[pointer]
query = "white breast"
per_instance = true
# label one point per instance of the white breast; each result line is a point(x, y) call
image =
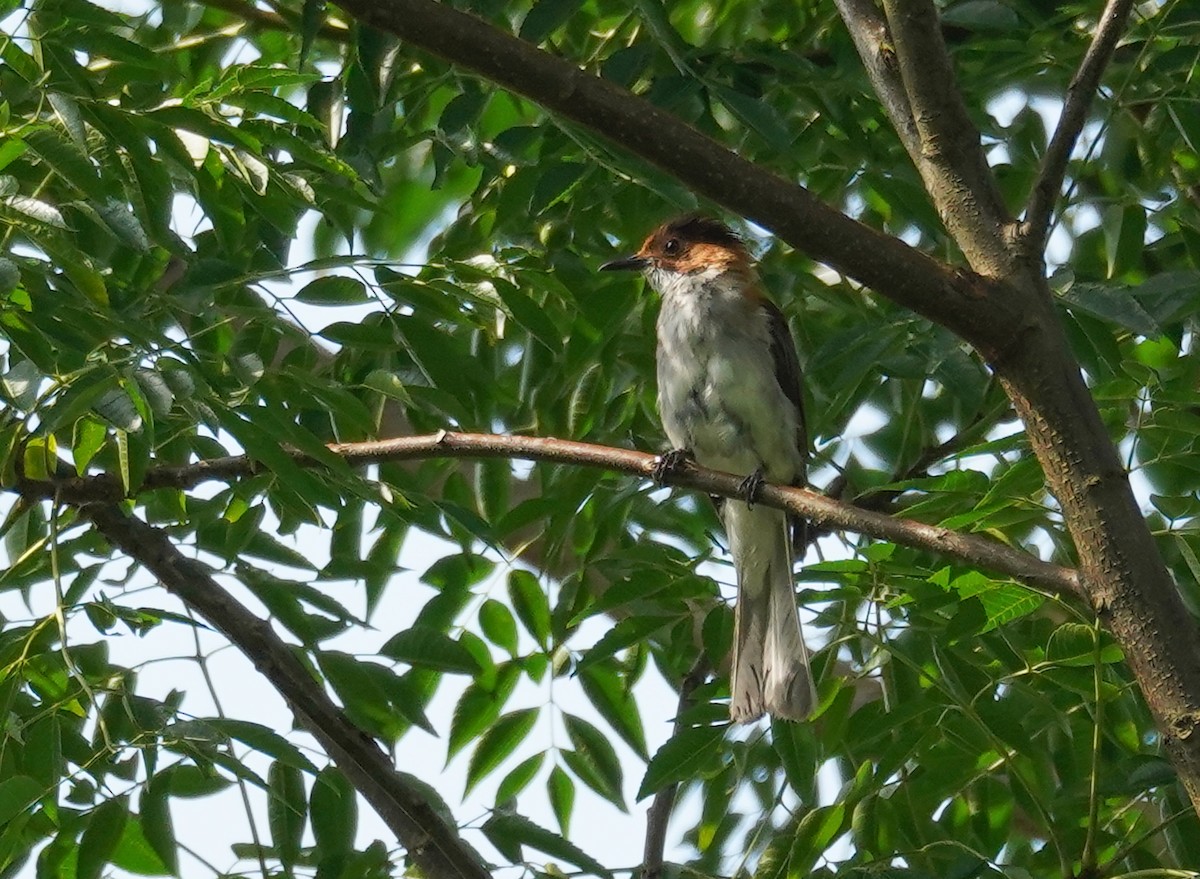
point(717, 390)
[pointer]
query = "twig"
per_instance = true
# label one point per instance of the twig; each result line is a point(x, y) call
point(433, 846)
point(1079, 97)
point(952, 162)
point(814, 506)
point(881, 499)
point(659, 814)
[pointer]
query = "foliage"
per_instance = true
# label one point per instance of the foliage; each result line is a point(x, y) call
point(230, 230)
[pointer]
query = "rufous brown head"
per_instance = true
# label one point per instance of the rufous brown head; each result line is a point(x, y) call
point(687, 245)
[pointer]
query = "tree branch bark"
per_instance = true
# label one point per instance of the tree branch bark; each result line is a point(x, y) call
point(431, 844)
point(829, 512)
point(951, 158)
point(1080, 93)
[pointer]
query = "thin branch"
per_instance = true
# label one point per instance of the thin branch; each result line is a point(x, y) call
point(952, 162)
point(869, 31)
point(433, 846)
point(1079, 97)
point(814, 506)
point(977, 310)
point(881, 500)
point(659, 814)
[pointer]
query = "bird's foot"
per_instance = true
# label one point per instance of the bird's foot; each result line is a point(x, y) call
point(751, 486)
point(670, 462)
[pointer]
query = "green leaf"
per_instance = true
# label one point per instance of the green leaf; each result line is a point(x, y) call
point(1124, 233)
point(334, 813)
point(333, 290)
point(626, 633)
point(287, 810)
point(100, 839)
point(545, 17)
point(757, 114)
point(518, 779)
point(498, 625)
point(264, 740)
point(594, 760)
point(981, 15)
point(22, 383)
point(529, 315)
point(555, 184)
point(611, 696)
point(11, 150)
point(479, 706)
point(817, 830)
point(1074, 645)
point(1002, 602)
point(689, 754)
point(562, 797)
point(39, 212)
point(135, 854)
point(498, 743)
point(426, 647)
point(1113, 304)
point(374, 695)
point(66, 160)
point(509, 831)
point(156, 825)
point(530, 603)
point(17, 794)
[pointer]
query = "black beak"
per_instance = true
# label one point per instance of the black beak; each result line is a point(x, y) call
point(628, 264)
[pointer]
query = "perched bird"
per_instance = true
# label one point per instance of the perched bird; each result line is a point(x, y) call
point(729, 396)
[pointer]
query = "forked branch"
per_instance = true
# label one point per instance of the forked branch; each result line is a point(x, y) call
point(951, 159)
point(1080, 93)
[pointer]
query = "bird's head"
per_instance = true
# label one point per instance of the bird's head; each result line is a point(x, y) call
point(691, 248)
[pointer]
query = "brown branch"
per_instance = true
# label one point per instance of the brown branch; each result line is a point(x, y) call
point(951, 160)
point(433, 846)
point(1080, 92)
point(814, 506)
point(658, 816)
point(869, 31)
point(971, 307)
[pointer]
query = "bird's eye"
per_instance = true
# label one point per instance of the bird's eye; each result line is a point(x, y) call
point(672, 246)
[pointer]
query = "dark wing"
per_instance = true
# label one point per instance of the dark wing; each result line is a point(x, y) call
point(787, 371)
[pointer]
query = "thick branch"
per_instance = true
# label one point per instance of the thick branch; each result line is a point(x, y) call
point(835, 514)
point(1079, 97)
point(951, 161)
point(975, 310)
point(869, 31)
point(433, 846)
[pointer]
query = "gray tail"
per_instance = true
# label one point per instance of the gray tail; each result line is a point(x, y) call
point(770, 661)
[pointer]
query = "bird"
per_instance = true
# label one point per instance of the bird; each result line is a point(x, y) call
point(730, 398)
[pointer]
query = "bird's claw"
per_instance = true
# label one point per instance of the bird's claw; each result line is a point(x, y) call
point(669, 463)
point(751, 486)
